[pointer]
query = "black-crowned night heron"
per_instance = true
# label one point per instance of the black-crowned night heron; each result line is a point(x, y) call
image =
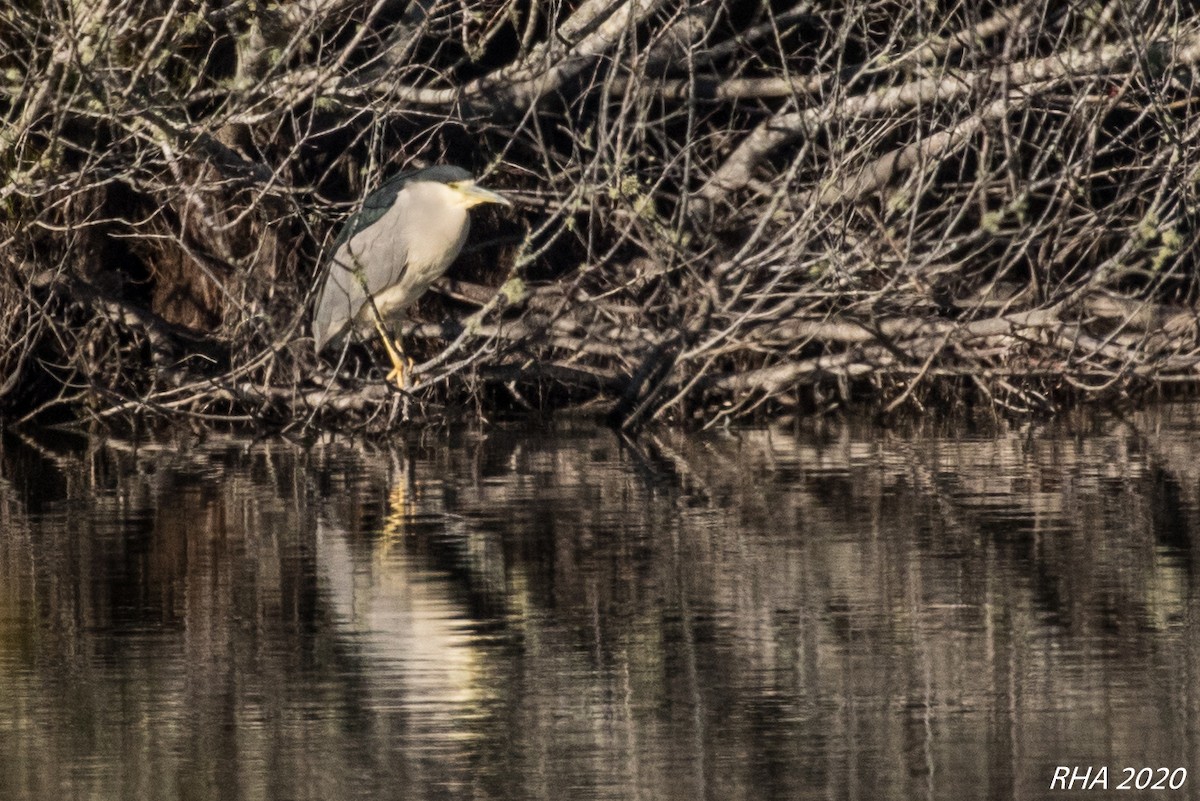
point(405, 235)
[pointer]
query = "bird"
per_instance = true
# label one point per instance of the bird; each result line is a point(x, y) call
point(386, 255)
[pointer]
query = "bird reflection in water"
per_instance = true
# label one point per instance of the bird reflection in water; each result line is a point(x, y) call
point(403, 613)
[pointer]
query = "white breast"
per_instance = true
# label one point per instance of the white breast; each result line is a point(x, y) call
point(411, 245)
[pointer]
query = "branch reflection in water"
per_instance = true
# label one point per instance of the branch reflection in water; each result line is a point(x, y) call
point(550, 613)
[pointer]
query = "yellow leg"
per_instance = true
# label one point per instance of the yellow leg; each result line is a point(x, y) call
point(401, 364)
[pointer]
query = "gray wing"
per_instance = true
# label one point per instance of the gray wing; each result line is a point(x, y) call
point(340, 299)
point(377, 257)
point(342, 294)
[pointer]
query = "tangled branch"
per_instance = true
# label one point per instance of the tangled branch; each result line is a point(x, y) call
point(723, 208)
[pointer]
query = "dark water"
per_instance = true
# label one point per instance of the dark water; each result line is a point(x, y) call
point(555, 614)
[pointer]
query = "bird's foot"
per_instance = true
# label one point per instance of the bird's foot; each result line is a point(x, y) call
point(401, 373)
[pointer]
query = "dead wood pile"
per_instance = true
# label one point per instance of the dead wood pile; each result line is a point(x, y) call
point(722, 207)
